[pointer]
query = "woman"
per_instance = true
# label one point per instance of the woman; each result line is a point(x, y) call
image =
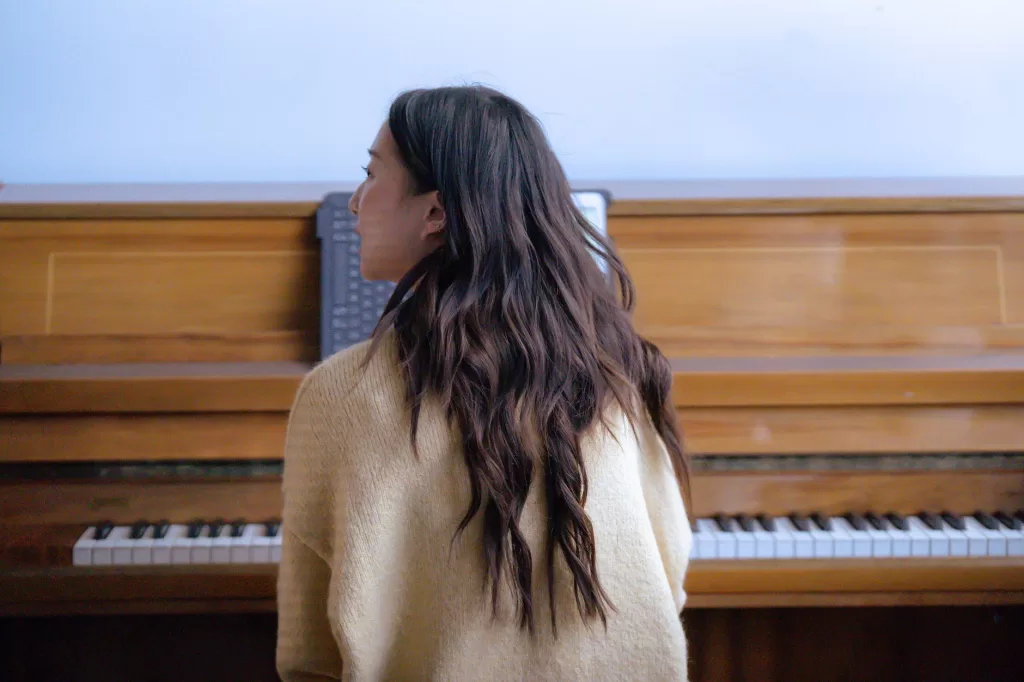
point(489, 488)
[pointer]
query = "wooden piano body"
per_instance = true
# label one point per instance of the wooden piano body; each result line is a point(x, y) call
point(838, 347)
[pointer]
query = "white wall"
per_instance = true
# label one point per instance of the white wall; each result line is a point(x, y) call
point(254, 90)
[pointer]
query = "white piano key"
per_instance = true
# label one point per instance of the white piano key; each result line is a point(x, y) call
point(957, 539)
point(181, 549)
point(842, 542)
point(980, 539)
point(220, 546)
point(725, 542)
point(745, 544)
point(706, 539)
point(881, 542)
point(259, 551)
point(1014, 540)
point(275, 548)
point(241, 548)
point(783, 541)
point(901, 540)
point(803, 543)
point(201, 551)
point(938, 541)
point(824, 542)
point(81, 553)
point(103, 550)
point(764, 543)
point(859, 539)
point(163, 547)
point(694, 547)
point(142, 548)
point(920, 537)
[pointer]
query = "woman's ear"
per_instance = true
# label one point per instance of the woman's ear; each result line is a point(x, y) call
point(435, 218)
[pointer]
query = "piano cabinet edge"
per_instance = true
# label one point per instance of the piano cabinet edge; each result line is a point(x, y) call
point(695, 602)
point(252, 589)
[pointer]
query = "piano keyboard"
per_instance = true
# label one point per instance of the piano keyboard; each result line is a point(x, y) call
point(851, 536)
point(199, 542)
point(859, 536)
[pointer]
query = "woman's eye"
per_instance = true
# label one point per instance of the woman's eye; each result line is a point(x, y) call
point(366, 169)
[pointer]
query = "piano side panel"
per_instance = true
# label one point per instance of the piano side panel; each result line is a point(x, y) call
point(827, 284)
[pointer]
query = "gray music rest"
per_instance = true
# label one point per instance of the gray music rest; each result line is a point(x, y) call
point(349, 305)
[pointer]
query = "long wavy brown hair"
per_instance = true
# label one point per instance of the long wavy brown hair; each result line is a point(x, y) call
point(516, 328)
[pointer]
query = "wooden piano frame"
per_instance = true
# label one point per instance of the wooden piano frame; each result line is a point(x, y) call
point(861, 319)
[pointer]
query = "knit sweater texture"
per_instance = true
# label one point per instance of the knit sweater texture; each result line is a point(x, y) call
point(373, 583)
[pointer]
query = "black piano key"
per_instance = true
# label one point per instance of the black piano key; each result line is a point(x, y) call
point(855, 520)
point(216, 526)
point(986, 520)
point(953, 520)
point(746, 523)
point(897, 520)
point(237, 528)
point(931, 520)
point(1019, 515)
point(138, 530)
point(767, 522)
point(195, 529)
point(1007, 520)
point(800, 522)
point(103, 530)
point(876, 521)
point(160, 529)
point(273, 527)
point(723, 522)
point(822, 522)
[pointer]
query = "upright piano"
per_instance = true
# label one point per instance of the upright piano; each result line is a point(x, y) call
point(848, 369)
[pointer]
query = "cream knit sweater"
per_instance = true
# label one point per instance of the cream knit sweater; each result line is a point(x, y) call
point(372, 587)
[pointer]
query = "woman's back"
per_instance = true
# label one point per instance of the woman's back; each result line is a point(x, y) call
point(453, 508)
point(376, 585)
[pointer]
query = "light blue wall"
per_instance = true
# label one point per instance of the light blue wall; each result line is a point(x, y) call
point(253, 90)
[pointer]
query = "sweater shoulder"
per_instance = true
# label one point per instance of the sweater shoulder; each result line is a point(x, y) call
point(343, 383)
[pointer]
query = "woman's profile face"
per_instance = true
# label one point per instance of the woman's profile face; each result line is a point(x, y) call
point(396, 227)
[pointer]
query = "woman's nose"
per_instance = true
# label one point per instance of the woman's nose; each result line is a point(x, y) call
point(353, 202)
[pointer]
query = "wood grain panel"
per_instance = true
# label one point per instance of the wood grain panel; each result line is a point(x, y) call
point(822, 339)
point(905, 492)
point(815, 430)
point(707, 382)
point(857, 575)
point(161, 292)
point(786, 287)
point(707, 431)
point(141, 438)
point(930, 644)
point(70, 502)
point(59, 349)
point(85, 502)
point(23, 285)
point(810, 230)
